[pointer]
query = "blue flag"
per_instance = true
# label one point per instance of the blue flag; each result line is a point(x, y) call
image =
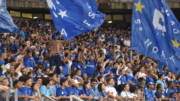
point(155, 32)
point(6, 23)
point(73, 17)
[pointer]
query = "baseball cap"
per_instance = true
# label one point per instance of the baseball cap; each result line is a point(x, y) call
point(175, 82)
point(38, 73)
point(150, 83)
point(54, 37)
point(76, 82)
point(12, 37)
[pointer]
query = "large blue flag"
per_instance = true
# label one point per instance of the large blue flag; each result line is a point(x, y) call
point(155, 32)
point(73, 17)
point(6, 23)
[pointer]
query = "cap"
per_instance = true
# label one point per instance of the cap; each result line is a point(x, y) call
point(38, 73)
point(150, 83)
point(76, 82)
point(54, 37)
point(175, 82)
point(12, 37)
point(125, 68)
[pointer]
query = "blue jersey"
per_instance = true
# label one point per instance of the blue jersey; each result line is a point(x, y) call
point(19, 94)
point(134, 80)
point(14, 48)
point(107, 70)
point(70, 91)
point(37, 60)
point(2, 66)
point(64, 69)
point(90, 68)
point(87, 93)
point(46, 91)
point(47, 65)
point(149, 95)
point(168, 92)
point(77, 91)
point(61, 92)
point(121, 80)
point(28, 62)
point(149, 79)
point(128, 77)
point(27, 91)
point(77, 65)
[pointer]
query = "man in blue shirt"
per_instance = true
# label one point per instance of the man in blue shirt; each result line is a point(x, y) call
point(26, 89)
point(94, 90)
point(70, 90)
point(14, 48)
point(22, 32)
point(149, 93)
point(18, 85)
point(135, 78)
point(3, 57)
point(53, 78)
point(162, 82)
point(29, 61)
point(169, 90)
point(62, 93)
point(77, 63)
point(159, 93)
point(176, 86)
point(90, 65)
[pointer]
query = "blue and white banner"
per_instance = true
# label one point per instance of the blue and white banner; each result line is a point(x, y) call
point(156, 32)
point(73, 17)
point(6, 23)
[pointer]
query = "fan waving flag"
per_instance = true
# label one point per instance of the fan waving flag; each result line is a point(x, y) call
point(156, 32)
point(73, 17)
point(6, 23)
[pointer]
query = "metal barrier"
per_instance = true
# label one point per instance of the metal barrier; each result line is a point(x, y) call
point(10, 91)
point(75, 97)
point(46, 98)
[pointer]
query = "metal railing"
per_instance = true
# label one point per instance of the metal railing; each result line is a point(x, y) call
point(75, 97)
point(10, 91)
point(46, 98)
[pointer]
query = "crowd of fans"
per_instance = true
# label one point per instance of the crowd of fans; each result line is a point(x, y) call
point(98, 65)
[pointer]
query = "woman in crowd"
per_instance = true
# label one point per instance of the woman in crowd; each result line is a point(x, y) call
point(85, 91)
point(102, 92)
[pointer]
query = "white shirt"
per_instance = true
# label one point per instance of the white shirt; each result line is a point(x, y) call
point(126, 94)
point(6, 67)
point(19, 75)
point(127, 42)
point(111, 89)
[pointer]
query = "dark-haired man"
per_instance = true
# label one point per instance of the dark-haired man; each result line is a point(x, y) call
point(159, 93)
point(149, 92)
point(169, 90)
point(162, 81)
point(94, 90)
point(112, 91)
point(26, 89)
point(17, 84)
point(61, 92)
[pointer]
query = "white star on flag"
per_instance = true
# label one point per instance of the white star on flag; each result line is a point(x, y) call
point(50, 4)
point(62, 13)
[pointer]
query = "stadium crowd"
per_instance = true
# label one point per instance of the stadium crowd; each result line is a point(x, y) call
point(98, 65)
